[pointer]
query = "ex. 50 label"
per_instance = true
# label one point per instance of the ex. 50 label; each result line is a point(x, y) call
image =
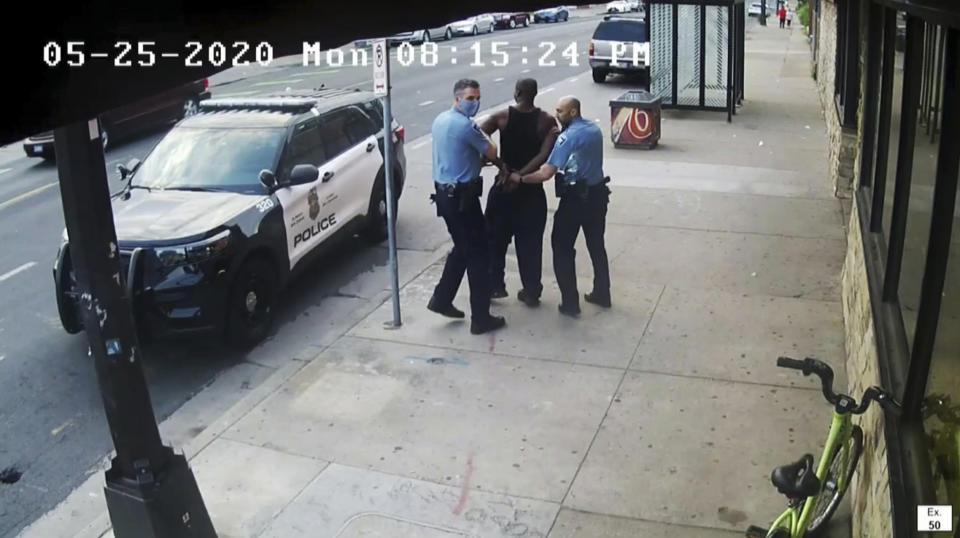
point(935, 518)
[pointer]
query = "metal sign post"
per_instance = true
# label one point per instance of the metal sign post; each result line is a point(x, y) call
point(381, 86)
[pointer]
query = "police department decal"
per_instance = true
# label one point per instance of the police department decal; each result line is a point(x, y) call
point(314, 202)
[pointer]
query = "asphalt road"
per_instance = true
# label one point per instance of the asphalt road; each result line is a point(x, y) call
point(52, 428)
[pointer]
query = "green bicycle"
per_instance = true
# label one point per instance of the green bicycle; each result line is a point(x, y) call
point(815, 495)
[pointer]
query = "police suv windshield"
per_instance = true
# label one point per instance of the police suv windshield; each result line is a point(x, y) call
point(226, 159)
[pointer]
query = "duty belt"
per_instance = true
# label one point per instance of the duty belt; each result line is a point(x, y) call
point(463, 191)
point(580, 188)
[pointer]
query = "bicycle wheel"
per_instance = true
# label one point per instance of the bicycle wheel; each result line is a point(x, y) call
point(826, 503)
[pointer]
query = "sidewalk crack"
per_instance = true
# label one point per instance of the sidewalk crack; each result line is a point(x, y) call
point(606, 413)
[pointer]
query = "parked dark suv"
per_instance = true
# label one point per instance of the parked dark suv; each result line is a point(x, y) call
point(235, 200)
point(160, 109)
point(629, 35)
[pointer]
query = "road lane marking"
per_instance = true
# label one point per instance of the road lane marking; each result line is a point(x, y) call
point(56, 431)
point(5, 170)
point(2, 357)
point(548, 90)
point(315, 73)
point(498, 79)
point(17, 271)
point(425, 103)
point(275, 82)
point(525, 71)
point(235, 94)
point(26, 195)
point(422, 143)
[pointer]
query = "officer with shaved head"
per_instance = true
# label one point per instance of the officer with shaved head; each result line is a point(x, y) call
point(577, 162)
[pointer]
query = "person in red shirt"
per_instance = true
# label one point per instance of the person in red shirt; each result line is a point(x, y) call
point(783, 16)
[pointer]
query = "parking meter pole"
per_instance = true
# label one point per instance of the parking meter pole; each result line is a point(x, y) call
point(150, 492)
point(391, 210)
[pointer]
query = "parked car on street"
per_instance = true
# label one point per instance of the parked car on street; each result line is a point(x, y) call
point(160, 109)
point(629, 37)
point(511, 20)
point(618, 6)
point(479, 24)
point(415, 37)
point(553, 14)
point(236, 200)
point(755, 8)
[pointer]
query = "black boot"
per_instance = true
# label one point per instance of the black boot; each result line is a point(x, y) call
point(597, 300)
point(449, 311)
point(527, 299)
point(485, 325)
point(572, 311)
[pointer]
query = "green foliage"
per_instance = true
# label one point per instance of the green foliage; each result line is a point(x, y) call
point(803, 13)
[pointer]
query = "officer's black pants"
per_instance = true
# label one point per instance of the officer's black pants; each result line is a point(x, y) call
point(469, 254)
point(572, 214)
point(521, 214)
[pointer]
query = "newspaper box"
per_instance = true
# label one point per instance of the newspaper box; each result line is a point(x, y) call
point(635, 120)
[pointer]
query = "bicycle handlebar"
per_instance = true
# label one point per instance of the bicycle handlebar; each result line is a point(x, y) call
point(843, 403)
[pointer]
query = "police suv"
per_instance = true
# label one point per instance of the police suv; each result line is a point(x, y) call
point(235, 200)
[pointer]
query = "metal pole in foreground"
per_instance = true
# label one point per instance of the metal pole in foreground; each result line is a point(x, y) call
point(381, 83)
point(150, 491)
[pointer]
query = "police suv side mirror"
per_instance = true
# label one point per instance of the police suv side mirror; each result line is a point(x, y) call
point(128, 169)
point(304, 173)
point(268, 180)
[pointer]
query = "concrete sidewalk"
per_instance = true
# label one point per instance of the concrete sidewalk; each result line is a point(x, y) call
point(661, 417)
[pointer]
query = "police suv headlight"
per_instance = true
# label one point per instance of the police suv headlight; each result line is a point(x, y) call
point(194, 252)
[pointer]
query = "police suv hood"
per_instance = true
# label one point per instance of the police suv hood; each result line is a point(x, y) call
point(166, 215)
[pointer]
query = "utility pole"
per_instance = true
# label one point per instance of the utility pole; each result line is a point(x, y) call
point(150, 491)
point(381, 87)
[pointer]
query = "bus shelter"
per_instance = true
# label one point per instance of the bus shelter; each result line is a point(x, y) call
point(696, 53)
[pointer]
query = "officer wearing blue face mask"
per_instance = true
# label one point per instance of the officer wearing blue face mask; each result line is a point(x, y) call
point(459, 150)
point(577, 162)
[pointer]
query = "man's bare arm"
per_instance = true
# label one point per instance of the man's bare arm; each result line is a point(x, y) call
point(492, 123)
point(491, 155)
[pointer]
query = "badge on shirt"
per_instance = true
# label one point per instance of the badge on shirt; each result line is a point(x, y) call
point(561, 139)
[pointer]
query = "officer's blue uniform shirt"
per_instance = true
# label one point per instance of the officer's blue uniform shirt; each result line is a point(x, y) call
point(458, 147)
point(578, 152)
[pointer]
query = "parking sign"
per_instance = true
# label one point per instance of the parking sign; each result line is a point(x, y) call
point(381, 62)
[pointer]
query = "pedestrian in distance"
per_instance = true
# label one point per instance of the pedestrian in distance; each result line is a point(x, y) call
point(783, 16)
point(459, 150)
point(527, 136)
point(577, 162)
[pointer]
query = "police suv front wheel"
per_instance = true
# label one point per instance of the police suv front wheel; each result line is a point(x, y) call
point(375, 229)
point(250, 304)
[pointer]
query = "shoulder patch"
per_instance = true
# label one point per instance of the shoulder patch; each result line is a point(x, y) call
point(561, 139)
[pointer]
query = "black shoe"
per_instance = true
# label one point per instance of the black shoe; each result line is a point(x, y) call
point(599, 301)
point(526, 299)
point(449, 311)
point(500, 293)
point(569, 311)
point(491, 323)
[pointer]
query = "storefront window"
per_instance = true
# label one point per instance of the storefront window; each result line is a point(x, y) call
point(895, 114)
point(922, 179)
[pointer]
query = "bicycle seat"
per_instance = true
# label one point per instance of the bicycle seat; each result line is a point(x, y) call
point(797, 480)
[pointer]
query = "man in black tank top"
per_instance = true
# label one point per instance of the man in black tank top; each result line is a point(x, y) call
point(527, 135)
